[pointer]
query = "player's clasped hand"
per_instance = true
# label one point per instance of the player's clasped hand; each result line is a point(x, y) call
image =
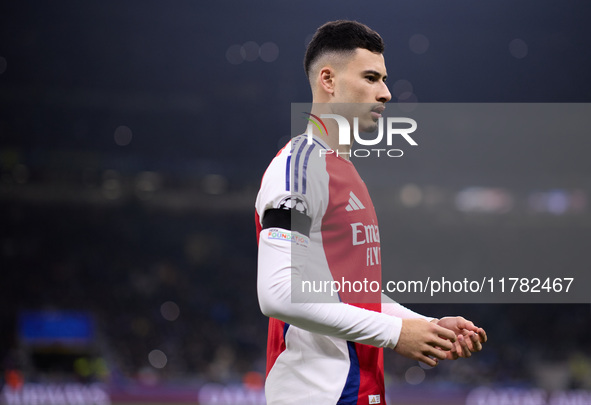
point(425, 341)
point(469, 338)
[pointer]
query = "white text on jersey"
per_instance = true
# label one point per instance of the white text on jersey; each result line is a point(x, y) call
point(365, 233)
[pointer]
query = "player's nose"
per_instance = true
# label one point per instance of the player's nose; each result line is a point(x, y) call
point(384, 95)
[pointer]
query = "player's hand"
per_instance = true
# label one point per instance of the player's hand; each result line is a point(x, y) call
point(469, 337)
point(425, 341)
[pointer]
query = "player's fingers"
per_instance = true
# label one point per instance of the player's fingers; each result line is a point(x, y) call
point(464, 349)
point(453, 354)
point(476, 345)
point(482, 334)
point(445, 333)
point(442, 344)
point(466, 324)
point(467, 348)
point(454, 348)
point(428, 361)
point(436, 352)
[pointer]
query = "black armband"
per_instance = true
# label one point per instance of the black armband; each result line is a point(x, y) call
point(289, 219)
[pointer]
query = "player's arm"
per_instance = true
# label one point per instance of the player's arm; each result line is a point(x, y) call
point(282, 262)
point(393, 308)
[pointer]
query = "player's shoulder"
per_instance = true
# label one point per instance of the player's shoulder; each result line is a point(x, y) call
point(309, 147)
point(299, 170)
point(300, 154)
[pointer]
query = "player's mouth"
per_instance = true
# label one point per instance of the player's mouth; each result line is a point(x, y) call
point(376, 112)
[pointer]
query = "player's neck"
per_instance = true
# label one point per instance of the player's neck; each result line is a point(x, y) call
point(332, 133)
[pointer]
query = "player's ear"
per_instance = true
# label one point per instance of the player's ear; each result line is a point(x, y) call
point(326, 80)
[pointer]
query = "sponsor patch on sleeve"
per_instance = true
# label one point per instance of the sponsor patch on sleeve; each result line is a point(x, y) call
point(288, 236)
point(374, 399)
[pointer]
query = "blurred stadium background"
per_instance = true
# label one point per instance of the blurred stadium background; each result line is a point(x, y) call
point(133, 136)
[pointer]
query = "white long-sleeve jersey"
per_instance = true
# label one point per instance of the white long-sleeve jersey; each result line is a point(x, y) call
point(318, 231)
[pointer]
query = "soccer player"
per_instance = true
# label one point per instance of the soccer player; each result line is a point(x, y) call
point(316, 223)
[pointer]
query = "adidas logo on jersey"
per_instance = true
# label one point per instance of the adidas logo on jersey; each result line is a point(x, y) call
point(354, 203)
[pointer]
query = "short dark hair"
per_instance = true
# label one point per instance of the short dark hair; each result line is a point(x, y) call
point(341, 35)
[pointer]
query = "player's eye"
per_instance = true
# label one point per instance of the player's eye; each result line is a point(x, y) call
point(371, 78)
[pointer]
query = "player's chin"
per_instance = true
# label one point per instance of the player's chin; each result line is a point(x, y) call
point(369, 126)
